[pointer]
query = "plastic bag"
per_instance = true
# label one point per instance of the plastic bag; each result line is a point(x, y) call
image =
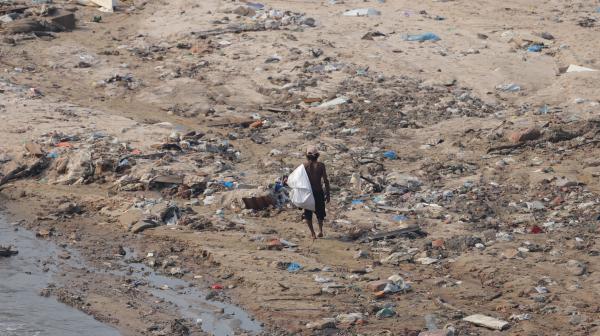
point(301, 194)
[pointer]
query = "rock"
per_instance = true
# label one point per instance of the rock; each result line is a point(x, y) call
point(525, 135)
point(575, 319)
point(34, 149)
point(130, 217)
point(438, 243)
point(143, 225)
point(547, 36)
point(326, 323)
point(63, 21)
point(511, 254)
point(563, 182)
point(427, 261)
point(361, 254)
point(396, 258)
point(121, 251)
point(408, 181)
point(68, 208)
point(244, 11)
point(43, 233)
point(487, 322)
point(64, 255)
point(7, 251)
point(576, 267)
point(176, 272)
point(349, 318)
point(377, 286)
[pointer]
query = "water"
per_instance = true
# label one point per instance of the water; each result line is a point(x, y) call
point(23, 312)
point(193, 305)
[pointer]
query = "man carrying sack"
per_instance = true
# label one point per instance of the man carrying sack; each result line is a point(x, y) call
point(307, 189)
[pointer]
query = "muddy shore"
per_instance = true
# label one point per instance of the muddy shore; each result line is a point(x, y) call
point(464, 173)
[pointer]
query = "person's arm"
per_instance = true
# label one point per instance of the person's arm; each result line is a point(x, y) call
point(326, 181)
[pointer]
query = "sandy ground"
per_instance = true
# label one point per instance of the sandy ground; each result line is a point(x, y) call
point(436, 104)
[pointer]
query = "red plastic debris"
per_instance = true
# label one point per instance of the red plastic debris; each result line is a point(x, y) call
point(536, 229)
point(64, 144)
point(136, 152)
point(216, 286)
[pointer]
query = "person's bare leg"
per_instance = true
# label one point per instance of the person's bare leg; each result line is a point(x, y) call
point(310, 226)
point(320, 221)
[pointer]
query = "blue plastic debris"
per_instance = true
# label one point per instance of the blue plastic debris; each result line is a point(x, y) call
point(294, 267)
point(52, 155)
point(399, 218)
point(390, 155)
point(544, 109)
point(357, 202)
point(278, 186)
point(228, 184)
point(422, 37)
point(535, 48)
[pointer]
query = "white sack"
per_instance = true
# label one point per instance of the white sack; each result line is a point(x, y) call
point(301, 194)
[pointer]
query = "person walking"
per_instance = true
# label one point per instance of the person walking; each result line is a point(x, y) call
point(317, 174)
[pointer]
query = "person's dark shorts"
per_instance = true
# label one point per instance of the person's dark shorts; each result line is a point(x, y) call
point(319, 207)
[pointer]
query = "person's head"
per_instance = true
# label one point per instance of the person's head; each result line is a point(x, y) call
point(312, 153)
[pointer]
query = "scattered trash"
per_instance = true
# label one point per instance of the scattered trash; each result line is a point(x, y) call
point(258, 203)
point(334, 102)
point(385, 313)
point(105, 5)
point(487, 322)
point(294, 267)
point(576, 68)
point(390, 155)
point(362, 12)
point(535, 48)
point(536, 230)
point(509, 87)
point(321, 324)
point(422, 37)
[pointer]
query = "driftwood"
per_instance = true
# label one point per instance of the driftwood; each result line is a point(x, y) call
point(230, 30)
point(411, 230)
point(510, 147)
point(18, 9)
point(243, 123)
point(26, 171)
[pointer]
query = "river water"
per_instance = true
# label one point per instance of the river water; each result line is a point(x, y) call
point(23, 312)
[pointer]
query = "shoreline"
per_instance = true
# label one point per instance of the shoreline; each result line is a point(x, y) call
point(464, 179)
